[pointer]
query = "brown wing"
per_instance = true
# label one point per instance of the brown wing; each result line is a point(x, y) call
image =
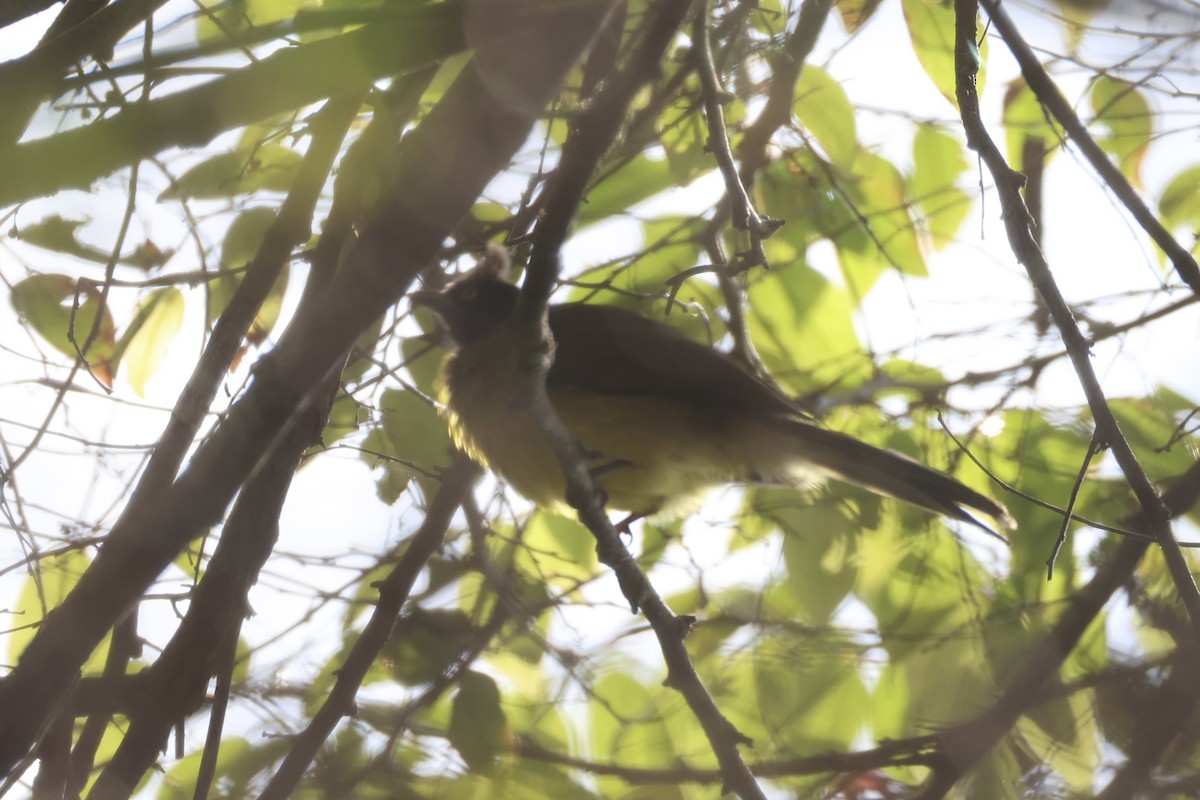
point(612, 351)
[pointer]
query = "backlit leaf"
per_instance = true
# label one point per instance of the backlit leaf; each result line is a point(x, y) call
point(46, 303)
point(144, 344)
point(412, 443)
point(931, 27)
point(1025, 119)
point(271, 167)
point(1122, 109)
point(938, 163)
point(477, 722)
point(823, 108)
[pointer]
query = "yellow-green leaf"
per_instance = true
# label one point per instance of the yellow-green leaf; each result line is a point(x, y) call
point(1025, 119)
point(931, 27)
point(45, 302)
point(635, 181)
point(803, 329)
point(1122, 109)
point(1179, 203)
point(412, 443)
point(823, 107)
point(241, 243)
point(478, 727)
point(44, 591)
point(270, 167)
point(155, 325)
point(938, 162)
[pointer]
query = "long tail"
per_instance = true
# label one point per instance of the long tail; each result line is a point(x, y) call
point(893, 474)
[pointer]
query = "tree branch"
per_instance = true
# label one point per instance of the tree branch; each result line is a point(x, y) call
point(1051, 98)
point(742, 211)
point(963, 745)
point(393, 593)
point(177, 680)
point(464, 141)
point(1029, 255)
point(596, 132)
point(288, 79)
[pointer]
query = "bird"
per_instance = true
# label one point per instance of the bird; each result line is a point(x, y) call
point(661, 418)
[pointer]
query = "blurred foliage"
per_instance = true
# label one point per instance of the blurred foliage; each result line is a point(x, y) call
point(827, 620)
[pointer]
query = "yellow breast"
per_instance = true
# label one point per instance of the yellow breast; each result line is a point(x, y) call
point(653, 456)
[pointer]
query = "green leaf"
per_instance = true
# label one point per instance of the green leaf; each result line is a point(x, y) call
point(223, 21)
point(45, 303)
point(938, 163)
point(856, 13)
point(627, 724)
point(238, 764)
point(1063, 734)
point(345, 416)
point(818, 548)
point(241, 243)
point(882, 200)
point(810, 700)
point(800, 191)
point(1179, 203)
point(145, 343)
point(941, 679)
point(61, 236)
point(1122, 109)
point(412, 443)
point(642, 286)
point(425, 642)
point(931, 27)
point(913, 583)
point(44, 590)
point(639, 179)
point(803, 329)
point(823, 107)
point(865, 215)
point(1025, 119)
point(423, 362)
point(997, 776)
point(683, 133)
point(478, 728)
point(245, 236)
point(565, 551)
point(270, 167)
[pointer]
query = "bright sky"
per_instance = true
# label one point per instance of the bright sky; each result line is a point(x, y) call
point(333, 506)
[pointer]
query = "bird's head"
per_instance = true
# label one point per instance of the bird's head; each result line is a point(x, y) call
point(476, 304)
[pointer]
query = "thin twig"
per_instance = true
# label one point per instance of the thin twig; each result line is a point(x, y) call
point(597, 130)
point(393, 593)
point(1023, 243)
point(1037, 501)
point(1051, 98)
point(1094, 447)
point(743, 214)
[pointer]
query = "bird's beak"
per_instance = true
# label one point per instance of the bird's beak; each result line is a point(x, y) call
point(434, 301)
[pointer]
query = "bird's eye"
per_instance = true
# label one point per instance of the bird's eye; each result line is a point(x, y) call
point(469, 293)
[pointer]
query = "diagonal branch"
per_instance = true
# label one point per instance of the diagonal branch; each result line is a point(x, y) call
point(785, 72)
point(177, 680)
point(1024, 246)
point(742, 212)
point(25, 80)
point(469, 136)
point(596, 132)
point(393, 593)
point(1050, 97)
point(963, 745)
point(288, 79)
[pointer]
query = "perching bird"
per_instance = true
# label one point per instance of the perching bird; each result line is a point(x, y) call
point(662, 419)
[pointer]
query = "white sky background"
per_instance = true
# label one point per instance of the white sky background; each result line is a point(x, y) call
point(1090, 243)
